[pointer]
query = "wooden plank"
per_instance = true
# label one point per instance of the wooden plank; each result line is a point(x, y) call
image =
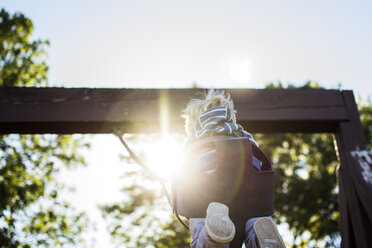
point(89, 110)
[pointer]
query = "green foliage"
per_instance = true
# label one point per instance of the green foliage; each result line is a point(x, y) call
point(144, 220)
point(306, 192)
point(305, 184)
point(365, 112)
point(21, 60)
point(31, 214)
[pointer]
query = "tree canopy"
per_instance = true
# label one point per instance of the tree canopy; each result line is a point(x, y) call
point(31, 213)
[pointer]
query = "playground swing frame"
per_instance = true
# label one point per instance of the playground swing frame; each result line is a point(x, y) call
point(102, 110)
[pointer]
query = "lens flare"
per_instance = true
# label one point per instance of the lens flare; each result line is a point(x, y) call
point(165, 156)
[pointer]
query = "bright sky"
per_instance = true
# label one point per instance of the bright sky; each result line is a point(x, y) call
point(213, 43)
point(173, 43)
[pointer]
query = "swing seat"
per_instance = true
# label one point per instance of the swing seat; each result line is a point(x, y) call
point(234, 182)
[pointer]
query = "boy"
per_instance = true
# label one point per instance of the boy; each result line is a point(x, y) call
point(214, 115)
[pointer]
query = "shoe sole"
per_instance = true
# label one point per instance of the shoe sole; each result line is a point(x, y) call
point(267, 234)
point(218, 219)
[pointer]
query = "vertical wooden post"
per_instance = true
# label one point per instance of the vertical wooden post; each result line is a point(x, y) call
point(355, 195)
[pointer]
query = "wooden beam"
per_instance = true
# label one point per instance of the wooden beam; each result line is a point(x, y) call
point(92, 110)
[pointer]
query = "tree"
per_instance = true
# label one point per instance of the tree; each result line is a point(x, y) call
point(306, 192)
point(31, 214)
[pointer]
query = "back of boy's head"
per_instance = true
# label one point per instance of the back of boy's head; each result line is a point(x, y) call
point(195, 107)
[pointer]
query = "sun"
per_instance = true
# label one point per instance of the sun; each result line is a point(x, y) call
point(241, 71)
point(165, 156)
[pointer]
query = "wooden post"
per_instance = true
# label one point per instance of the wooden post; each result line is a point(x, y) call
point(355, 195)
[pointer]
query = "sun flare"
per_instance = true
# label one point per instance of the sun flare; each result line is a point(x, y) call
point(241, 71)
point(165, 156)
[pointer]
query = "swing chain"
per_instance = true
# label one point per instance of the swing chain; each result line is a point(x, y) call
point(120, 134)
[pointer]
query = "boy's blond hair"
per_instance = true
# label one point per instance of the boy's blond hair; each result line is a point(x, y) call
point(195, 107)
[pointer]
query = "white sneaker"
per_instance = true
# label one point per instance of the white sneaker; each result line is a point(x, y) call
point(267, 234)
point(218, 225)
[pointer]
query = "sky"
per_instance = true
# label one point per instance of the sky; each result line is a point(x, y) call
point(175, 43)
point(220, 44)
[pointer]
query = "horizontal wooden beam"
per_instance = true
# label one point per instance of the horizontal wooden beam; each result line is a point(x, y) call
point(93, 110)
